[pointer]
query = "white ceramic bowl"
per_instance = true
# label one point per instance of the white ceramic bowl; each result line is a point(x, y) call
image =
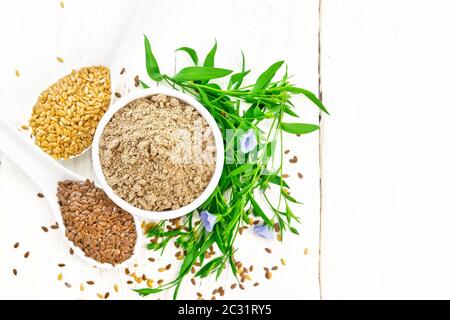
point(168, 214)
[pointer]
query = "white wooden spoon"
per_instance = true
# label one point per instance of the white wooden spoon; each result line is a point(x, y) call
point(112, 49)
point(46, 173)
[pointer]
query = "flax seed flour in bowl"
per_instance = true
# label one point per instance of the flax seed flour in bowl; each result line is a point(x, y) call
point(158, 153)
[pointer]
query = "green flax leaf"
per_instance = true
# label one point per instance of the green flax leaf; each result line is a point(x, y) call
point(210, 266)
point(144, 85)
point(311, 96)
point(191, 52)
point(267, 76)
point(299, 128)
point(275, 179)
point(150, 62)
point(200, 73)
point(209, 60)
point(146, 291)
point(259, 212)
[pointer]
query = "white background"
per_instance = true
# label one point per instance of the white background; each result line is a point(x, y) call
point(375, 217)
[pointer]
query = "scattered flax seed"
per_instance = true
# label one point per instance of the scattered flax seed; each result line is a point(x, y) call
point(193, 270)
point(168, 266)
point(100, 296)
point(27, 254)
point(233, 286)
point(266, 269)
point(213, 298)
point(61, 4)
point(136, 81)
point(150, 283)
point(299, 175)
point(241, 286)
point(268, 275)
point(274, 268)
point(255, 222)
point(161, 269)
point(107, 295)
point(144, 277)
point(90, 282)
point(61, 265)
point(122, 71)
point(54, 226)
point(60, 60)
point(279, 237)
point(127, 271)
point(68, 285)
point(256, 284)
point(268, 250)
point(17, 73)
point(129, 282)
point(24, 127)
point(81, 287)
point(71, 251)
point(151, 259)
point(60, 276)
point(285, 175)
point(40, 195)
point(116, 288)
point(15, 272)
point(45, 229)
point(276, 227)
point(305, 252)
point(16, 245)
point(251, 268)
point(287, 151)
point(117, 94)
point(193, 281)
point(293, 160)
point(160, 281)
point(283, 262)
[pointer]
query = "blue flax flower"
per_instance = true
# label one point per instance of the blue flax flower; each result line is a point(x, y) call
point(208, 220)
point(263, 231)
point(248, 141)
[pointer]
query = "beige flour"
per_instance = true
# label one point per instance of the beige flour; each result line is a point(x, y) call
point(158, 153)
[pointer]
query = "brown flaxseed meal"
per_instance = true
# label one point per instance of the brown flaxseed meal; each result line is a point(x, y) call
point(157, 153)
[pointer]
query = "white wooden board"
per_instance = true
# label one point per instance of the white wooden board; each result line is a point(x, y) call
point(35, 32)
point(385, 76)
